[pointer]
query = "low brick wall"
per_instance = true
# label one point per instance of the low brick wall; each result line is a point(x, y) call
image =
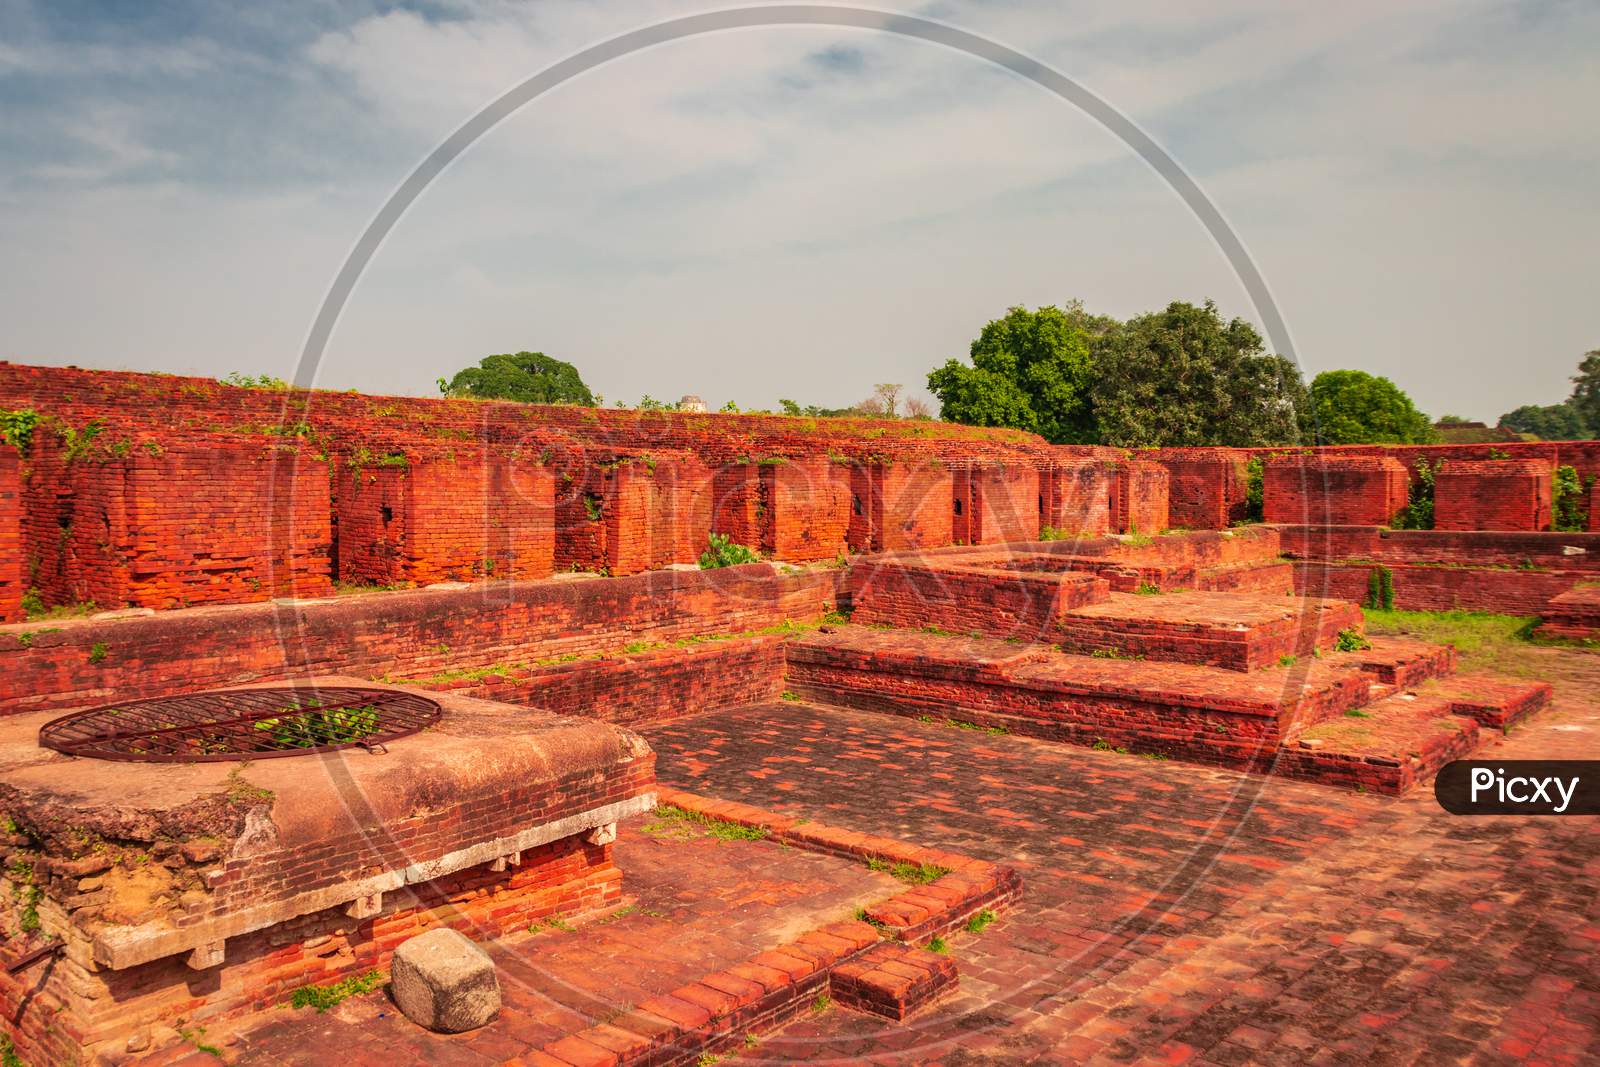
point(973, 598)
point(644, 687)
point(1078, 496)
point(411, 634)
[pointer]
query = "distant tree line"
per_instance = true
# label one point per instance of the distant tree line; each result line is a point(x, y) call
point(1576, 418)
point(1182, 376)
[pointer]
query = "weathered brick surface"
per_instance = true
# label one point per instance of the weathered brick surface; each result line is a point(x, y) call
point(1492, 494)
point(141, 522)
point(973, 598)
point(442, 517)
point(11, 573)
point(1208, 486)
point(900, 506)
point(893, 980)
point(409, 633)
point(1139, 497)
point(81, 1010)
point(995, 503)
point(804, 509)
point(1574, 614)
point(1235, 631)
point(1324, 489)
point(642, 687)
point(1078, 496)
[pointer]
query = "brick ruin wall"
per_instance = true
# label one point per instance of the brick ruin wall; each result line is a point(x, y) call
point(995, 503)
point(1139, 498)
point(898, 507)
point(78, 1006)
point(805, 509)
point(407, 634)
point(1492, 495)
point(12, 583)
point(651, 686)
point(208, 521)
point(1312, 489)
point(968, 597)
point(1077, 497)
point(1208, 488)
point(1516, 573)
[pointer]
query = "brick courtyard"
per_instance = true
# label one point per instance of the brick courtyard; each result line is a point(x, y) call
point(1171, 914)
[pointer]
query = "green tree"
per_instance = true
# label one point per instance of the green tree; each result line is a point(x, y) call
point(1184, 377)
point(1352, 407)
point(531, 377)
point(1552, 422)
point(1586, 390)
point(1029, 369)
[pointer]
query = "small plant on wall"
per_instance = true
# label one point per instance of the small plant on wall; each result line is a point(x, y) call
point(723, 552)
point(1567, 500)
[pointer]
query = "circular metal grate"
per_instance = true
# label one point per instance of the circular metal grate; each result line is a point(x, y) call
point(240, 724)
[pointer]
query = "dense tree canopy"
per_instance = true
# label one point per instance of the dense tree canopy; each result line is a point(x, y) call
point(1030, 369)
point(1552, 422)
point(531, 377)
point(1586, 390)
point(1185, 377)
point(1352, 407)
point(1181, 376)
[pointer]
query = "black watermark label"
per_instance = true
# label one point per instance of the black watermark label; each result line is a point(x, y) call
point(1519, 787)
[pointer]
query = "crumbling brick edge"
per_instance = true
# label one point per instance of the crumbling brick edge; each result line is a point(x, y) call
point(715, 1012)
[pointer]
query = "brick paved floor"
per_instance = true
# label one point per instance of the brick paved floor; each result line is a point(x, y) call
point(1175, 914)
point(694, 905)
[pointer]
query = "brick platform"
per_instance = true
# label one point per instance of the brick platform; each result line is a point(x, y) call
point(251, 860)
point(1492, 495)
point(1573, 615)
point(1237, 631)
point(1324, 489)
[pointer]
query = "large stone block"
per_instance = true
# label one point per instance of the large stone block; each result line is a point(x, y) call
point(444, 982)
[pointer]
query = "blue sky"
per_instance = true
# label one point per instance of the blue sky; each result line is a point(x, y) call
point(797, 212)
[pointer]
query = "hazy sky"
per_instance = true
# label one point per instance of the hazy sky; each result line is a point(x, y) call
point(795, 212)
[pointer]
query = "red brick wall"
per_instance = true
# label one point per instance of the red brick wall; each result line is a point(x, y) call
point(1422, 588)
point(973, 599)
point(1492, 495)
point(151, 524)
point(409, 634)
point(1505, 549)
point(1077, 496)
point(12, 576)
point(1208, 486)
point(999, 503)
point(899, 506)
point(645, 687)
point(737, 509)
point(806, 509)
point(79, 1009)
point(1139, 498)
point(1333, 490)
point(373, 505)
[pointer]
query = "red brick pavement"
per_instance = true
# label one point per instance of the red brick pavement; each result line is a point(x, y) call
point(1174, 914)
point(695, 905)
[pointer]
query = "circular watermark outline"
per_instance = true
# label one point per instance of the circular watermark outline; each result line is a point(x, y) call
point(1227, 822)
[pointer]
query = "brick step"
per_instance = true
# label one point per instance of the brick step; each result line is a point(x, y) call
point(1494, 703)
point(1403, 663)
point(1235, 631)
point(893, 980)
point(1386, 747)
point(1254, 576)
point(1573, 615)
